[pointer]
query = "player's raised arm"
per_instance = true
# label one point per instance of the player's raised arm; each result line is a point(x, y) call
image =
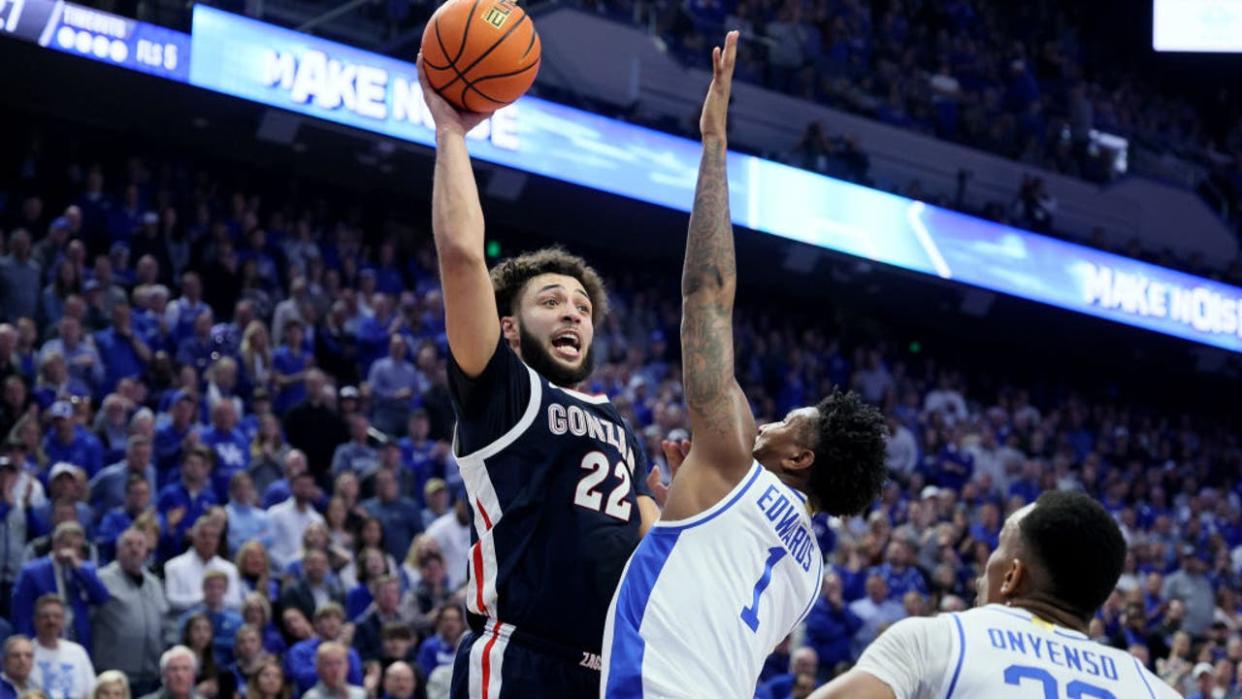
point(723, 426)
point(457, 223)
point(855, 684)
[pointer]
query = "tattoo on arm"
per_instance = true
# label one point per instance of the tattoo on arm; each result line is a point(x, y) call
point(708, 284)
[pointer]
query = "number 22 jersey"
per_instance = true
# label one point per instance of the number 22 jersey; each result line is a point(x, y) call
point(552, 477)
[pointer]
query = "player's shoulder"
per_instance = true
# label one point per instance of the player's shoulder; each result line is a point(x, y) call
point(1156, 687)
point(600, 400)
point(915, 656)
point(1159, 688)
point(922, 631)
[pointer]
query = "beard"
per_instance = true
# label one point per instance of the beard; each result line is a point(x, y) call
point(537, 357)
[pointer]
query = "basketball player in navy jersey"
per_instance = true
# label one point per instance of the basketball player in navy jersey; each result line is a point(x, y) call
point(556, 480)
point(732, 566)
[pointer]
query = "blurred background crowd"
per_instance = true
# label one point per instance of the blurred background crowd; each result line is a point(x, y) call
point(225, 461)
point(1055, 85)
point(226, 425)
point(1043, 83)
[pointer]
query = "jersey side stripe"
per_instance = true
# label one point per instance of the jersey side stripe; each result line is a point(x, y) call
point(496, 656)
point(715, 510)
point(489, 662)
point(483, 561)
point(476, 683)
point(486, 504)
point(625, 676)
point(476, 558)
point(961, 656)
point(1143, 676)
point(814, 592)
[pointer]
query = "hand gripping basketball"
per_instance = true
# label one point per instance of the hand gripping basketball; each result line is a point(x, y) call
point(480, 55)
point(447, 117)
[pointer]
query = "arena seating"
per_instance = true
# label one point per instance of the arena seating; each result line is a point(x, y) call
point(87, 232)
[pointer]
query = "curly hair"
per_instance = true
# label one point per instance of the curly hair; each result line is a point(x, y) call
point(509, 278)
point(849, 471)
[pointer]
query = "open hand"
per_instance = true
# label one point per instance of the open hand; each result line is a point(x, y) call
point(712, 122)
point(675, 454)
point(371, 681)
point(447, 117)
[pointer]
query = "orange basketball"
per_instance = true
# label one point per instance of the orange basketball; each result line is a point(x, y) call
point(481, 54)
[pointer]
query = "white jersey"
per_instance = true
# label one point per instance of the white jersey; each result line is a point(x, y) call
point(703, 601)
point(997, 651)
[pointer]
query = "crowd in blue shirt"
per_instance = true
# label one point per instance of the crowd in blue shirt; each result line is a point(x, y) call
point(1037, 82)
point(327, 444)
point(1029, 81)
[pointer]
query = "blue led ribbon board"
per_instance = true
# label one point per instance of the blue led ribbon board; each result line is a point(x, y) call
point(327, 80)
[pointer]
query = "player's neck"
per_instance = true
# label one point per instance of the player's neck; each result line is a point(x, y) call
point(798, 480)
point(1050, 611)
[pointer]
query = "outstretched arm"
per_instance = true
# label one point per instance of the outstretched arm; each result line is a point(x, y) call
point(855, 684)
point(720, 418)
point(457, 223)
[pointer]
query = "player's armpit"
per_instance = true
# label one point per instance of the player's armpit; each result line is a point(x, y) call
point(700, 484)
point(471, 320)
point(855, 684)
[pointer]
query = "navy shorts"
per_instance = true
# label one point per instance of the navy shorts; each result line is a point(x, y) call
point(505, 665)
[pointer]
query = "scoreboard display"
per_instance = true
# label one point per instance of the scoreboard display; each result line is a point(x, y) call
point(97, 35)
point(1197, 26)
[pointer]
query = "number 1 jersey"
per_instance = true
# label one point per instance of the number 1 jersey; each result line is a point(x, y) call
point(705, 600)
point(552, 477)
point(997, 651)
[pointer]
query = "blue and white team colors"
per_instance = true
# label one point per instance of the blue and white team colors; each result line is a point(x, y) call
point(703, 601)
point(997, 651)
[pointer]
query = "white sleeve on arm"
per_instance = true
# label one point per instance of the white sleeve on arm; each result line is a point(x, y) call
point(911, 657)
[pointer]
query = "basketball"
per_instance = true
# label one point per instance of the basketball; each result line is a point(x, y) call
point(481, 55)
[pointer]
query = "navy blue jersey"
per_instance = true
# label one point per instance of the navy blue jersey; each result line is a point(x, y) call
point(552, 476)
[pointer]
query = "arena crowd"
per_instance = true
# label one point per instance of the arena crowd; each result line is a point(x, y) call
point(226, 464)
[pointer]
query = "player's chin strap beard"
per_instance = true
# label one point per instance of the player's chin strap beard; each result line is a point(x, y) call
point(537, 357)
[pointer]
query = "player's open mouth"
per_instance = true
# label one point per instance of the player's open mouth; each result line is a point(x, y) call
point(567, 345)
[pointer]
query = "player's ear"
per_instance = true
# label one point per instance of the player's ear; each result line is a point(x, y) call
point(800, 460)
point(509, 329)
point(1014, 576)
